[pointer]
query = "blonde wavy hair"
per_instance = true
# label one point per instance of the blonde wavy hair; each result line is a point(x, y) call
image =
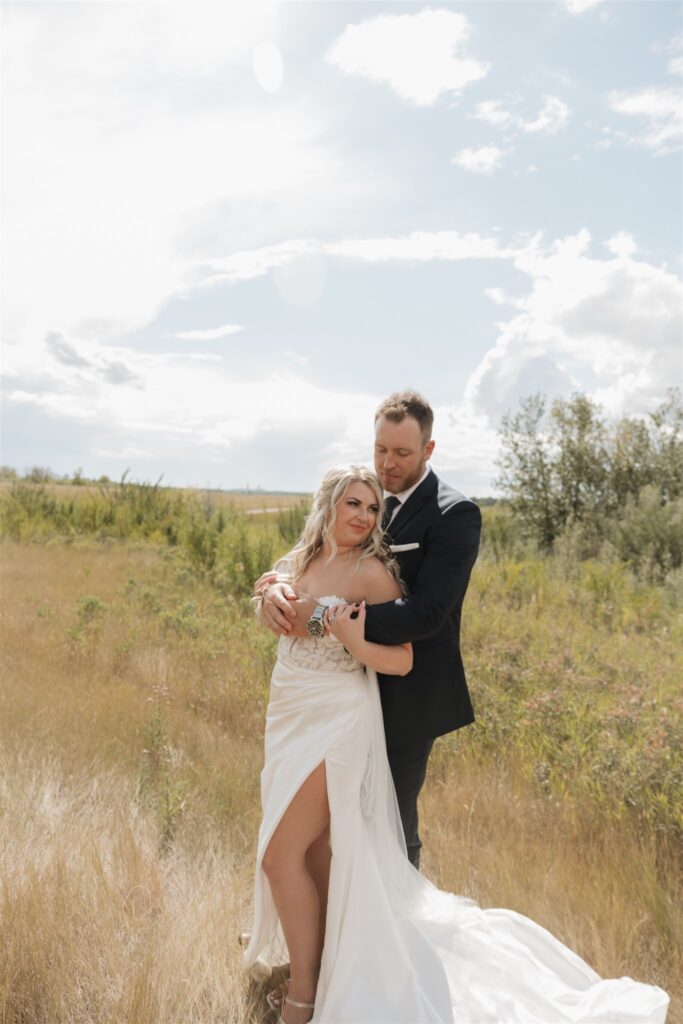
point(319, 526)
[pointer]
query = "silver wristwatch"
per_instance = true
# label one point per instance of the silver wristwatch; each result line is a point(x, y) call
point(315, 625)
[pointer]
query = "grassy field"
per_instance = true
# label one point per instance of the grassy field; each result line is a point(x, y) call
point(243, 501)
point(132, 697)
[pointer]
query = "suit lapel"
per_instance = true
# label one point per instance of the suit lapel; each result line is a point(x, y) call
point(413, 505)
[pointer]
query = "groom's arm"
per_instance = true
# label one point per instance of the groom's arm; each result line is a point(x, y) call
point(440, 583)
point(286, 615)
point(278, 606)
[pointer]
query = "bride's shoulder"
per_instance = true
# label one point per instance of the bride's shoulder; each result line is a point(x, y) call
point(378, 583)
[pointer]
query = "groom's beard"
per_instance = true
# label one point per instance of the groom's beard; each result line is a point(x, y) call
point(394, 484)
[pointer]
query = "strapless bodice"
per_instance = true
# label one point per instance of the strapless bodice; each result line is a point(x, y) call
point(318, 654)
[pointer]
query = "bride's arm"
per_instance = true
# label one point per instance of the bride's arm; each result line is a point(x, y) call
point(379, 586)
point(392, 660)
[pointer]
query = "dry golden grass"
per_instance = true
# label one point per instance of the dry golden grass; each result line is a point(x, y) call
point(240, 500)
point(97, 925)
point(131, 706)
point(613, 897)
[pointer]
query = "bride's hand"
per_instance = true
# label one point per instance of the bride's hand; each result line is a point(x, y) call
point(342, 626)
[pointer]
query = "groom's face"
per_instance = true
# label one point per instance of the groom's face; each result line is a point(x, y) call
point(400, 453)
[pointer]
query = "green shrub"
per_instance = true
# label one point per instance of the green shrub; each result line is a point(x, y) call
point(290, 522)
point(649, 534)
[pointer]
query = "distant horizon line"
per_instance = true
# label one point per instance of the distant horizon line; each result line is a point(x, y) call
point(9, 473)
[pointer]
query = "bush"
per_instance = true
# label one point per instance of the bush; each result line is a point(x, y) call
point(217, 541)
point(290, 522)
point(649, 534)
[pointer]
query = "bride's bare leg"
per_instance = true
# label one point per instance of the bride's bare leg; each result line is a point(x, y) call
point(294, 891)
point(318, 860)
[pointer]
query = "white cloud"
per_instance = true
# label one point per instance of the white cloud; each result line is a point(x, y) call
point(251, 263)
point(585, 323)
point(552, 117)
point(416, 54)
point(90, 361)
point(211, 333)
point(79, 377)
point(65, 351)
point(502, 298)
point(466, 448)
point(493, 112)
point(60, 405)
point(580, 6)
point(149, 401)
point(608, 327)
point(164, 398)
point(116, 372)
point(205, 413)
point(674, 49)
point(484, 160)
point(622, 244)
point(421, 246)
point(280, 413)
point(661, 108)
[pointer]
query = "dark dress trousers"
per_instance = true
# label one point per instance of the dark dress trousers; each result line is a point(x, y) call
point(436, 532)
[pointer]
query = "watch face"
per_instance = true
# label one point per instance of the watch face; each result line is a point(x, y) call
point(315, 626)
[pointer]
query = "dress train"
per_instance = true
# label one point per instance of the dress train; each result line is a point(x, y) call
point(397, 949)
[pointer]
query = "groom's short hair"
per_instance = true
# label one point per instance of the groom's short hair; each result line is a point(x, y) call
point(408, 403)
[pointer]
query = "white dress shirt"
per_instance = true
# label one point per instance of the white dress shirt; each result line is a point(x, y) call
point(404, 495)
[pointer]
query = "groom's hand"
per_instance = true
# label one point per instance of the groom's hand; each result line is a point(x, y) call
point(283, 613)
point(264, 581)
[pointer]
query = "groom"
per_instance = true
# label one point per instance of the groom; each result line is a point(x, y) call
point(434, 533)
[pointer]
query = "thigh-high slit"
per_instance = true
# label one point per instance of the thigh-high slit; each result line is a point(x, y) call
point(307, 725)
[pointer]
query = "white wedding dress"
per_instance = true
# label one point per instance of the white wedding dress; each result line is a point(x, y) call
point(398, 950)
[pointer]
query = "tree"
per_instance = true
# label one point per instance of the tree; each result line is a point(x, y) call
point(573, 466)
point(579, 474)
point(526, 469)
point(667, 435)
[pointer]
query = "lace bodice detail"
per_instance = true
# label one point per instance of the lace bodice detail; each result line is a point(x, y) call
point(318, 654)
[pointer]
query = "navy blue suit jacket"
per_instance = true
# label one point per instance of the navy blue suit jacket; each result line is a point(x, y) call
point(433, 698)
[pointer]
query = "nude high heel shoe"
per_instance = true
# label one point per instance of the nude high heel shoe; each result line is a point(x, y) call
point(300, 1006)
point(284, 998)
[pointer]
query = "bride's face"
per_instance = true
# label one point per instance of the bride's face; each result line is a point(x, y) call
point(357, 512)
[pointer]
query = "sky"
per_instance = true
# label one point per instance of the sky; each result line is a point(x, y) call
point(230, 230)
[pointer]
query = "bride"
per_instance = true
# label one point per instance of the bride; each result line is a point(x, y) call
point(368, 938)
